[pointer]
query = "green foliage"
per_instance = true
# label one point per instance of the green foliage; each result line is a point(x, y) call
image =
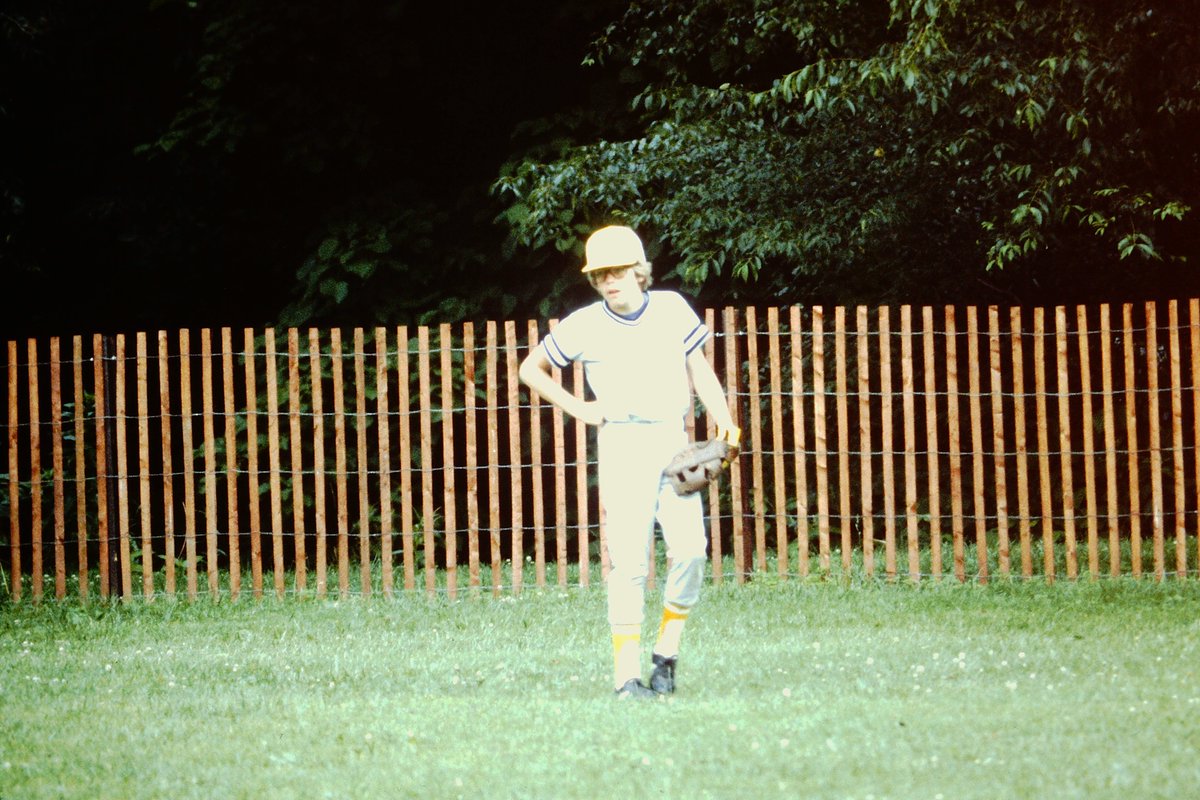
point(878, 151)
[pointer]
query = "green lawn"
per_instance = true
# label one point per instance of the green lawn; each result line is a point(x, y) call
point(797, 689)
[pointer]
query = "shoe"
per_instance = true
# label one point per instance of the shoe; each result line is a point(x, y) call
point(636, 690)
point(662, 679)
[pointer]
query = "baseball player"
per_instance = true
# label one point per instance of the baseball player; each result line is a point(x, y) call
point(643, 355)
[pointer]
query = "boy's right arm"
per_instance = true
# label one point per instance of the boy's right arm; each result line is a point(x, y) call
point(535, 373)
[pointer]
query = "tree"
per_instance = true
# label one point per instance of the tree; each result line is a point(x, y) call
point(929, 150)
point(359, 139)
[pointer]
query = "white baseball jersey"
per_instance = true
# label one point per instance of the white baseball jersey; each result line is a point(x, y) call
point(636, 364)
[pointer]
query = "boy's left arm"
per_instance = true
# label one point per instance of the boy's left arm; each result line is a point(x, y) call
point(712, 395)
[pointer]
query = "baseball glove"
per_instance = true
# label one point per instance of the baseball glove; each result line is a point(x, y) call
point(695, 466)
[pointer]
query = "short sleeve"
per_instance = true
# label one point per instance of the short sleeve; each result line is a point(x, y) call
point(696, 331)
point(564, 343)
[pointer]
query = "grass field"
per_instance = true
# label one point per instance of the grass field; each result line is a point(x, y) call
point(797, 689)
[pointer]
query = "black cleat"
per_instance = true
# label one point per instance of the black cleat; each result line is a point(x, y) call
point(662, 679)
point(636, 690)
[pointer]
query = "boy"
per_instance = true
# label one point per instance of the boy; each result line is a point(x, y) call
point(643, 354)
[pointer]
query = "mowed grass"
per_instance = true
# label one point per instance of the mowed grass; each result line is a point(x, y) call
point(796, 689)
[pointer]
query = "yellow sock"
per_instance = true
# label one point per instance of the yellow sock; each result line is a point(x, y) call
point(627, 653)
point(670, 630)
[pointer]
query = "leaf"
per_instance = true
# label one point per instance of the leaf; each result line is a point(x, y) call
point(327, 248)
point(335, 289)
point(363, 269)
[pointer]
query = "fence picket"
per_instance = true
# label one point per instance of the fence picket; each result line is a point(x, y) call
point(143, 470)
point(1131, 439)
point(535, 471)
point(384, 444)
point(210, 460)
point(887, 441)
point(1064, 439)
point(189, 467)
point(252, 490)
point(449, 510)
point(1110, 441)
point(231, 461)
point(933, 476)
point(320, 521)
point(14, 477)
point(741, 545)
point(1089, 442)
point(168, 483)
point(428, 527)
point(954, 440)
point(403, 404)
point(862, 329)
point(1043, 442)
point(1194, 329)
point(338, 354)
point(756, 462)
point(910, 444)
point(472, 455)
point(778, 482)
point(1020, 442)
point(360, 451)
point(820, 442)
point(36, 566)
point(387, 545)
point(274, 482)
point(296, 461)
point(493, 439)
point(1156, 489)
point(998, 442)
point(977, 451)
point(56, 459)
point(843, 426)
point(516, 544)
point(1177, 439)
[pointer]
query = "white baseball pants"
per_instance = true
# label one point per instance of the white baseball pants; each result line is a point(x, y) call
point(634, 493)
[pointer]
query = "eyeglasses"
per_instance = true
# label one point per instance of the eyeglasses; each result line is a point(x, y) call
point(616, 273)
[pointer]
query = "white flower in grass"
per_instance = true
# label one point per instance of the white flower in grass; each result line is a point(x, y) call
point(787, 692)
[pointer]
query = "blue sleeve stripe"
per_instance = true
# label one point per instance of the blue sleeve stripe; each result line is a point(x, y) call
point(697, 337)
point(554, 352)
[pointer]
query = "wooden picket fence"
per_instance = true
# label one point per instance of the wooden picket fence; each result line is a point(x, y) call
point(927, 443)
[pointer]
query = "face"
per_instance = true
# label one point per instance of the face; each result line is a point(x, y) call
point(619, 287)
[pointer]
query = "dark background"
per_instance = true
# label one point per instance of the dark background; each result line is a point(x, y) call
point(364, 110)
